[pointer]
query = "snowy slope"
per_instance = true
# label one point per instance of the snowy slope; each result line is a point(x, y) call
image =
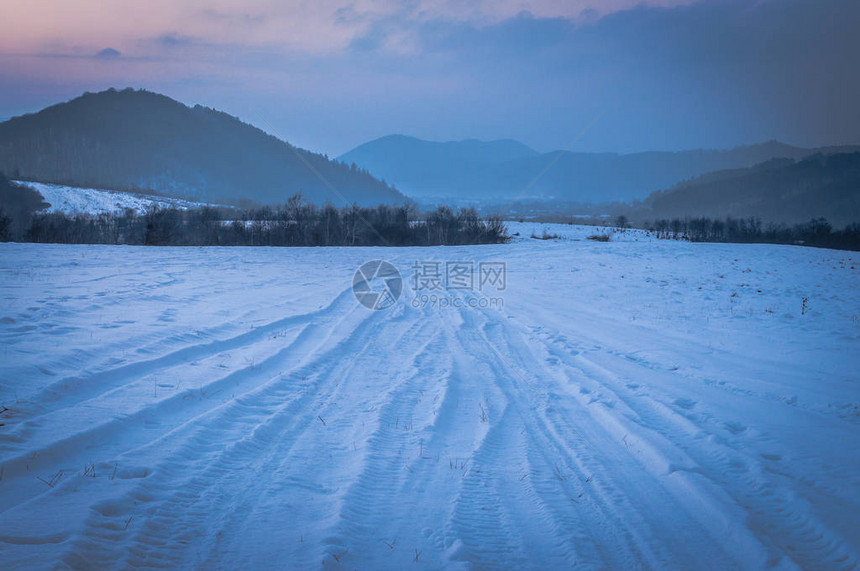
point(633, 404)
point(74, 200)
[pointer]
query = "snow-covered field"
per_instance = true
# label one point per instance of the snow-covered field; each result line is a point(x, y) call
point(633, 404)
point(524, 231)
point(74, 200)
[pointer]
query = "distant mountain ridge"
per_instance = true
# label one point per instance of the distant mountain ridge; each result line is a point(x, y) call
point(779, 190)
point(139, 140)
point(405, 148)
point(500, 170)
point(435, 169)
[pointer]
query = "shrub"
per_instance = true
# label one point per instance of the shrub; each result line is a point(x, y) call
point(599, 237)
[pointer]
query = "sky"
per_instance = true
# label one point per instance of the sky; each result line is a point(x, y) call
point(586, 75)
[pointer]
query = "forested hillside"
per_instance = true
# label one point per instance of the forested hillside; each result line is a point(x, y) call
point(782, 191)
point(139, 140)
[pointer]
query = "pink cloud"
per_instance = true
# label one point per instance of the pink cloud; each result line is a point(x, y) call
point(319, 27)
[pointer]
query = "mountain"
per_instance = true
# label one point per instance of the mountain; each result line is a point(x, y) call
point(505, 170)
point(435, 169)
point(405, 155)
point(139, 140)
point(779, 190)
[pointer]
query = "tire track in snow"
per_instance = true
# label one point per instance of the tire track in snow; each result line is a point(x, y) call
point(641, 493)
point(769, 497)
point(372, 505)
point(73, 391)
point(313, 497)
point(254, 376)
point(274, 416)
point(118, 435)
point(560, 462)
point(674, 439)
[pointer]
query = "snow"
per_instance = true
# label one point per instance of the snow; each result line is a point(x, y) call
point(636, 403)
point(523, 231)
point(75, 200)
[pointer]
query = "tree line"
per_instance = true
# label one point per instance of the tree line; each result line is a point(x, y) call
point(17, 205)
point(296, 223)
point(817, 232)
